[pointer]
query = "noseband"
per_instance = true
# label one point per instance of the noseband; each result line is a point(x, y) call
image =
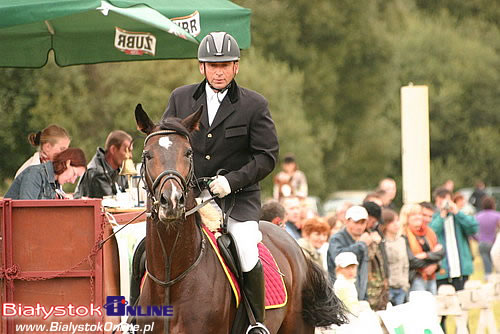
point(169, 174)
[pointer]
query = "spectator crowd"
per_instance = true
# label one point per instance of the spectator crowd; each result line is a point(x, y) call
point(375, 253)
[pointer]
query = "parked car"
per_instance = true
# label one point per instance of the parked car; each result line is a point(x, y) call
point(339, 198)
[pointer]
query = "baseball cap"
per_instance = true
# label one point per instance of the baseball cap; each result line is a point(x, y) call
point(356, 213)
point(346, 259)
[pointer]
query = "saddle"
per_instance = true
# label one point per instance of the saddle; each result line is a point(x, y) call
point(225, 248)
point(230, 254)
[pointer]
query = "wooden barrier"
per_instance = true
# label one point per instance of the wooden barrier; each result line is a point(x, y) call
point(475, 295)
point(50, 257)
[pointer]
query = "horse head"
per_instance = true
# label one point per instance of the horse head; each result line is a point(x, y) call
point(167, 163)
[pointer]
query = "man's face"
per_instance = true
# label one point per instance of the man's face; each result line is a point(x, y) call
point(120, 153)
point(219, 75)
point(292, 208)
point(427, 215)
point(389, 186)
point(440, 200)
point(355, 229)
point(371, 222)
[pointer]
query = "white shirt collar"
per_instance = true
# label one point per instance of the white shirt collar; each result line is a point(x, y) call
point(213, 103)
point(211, 94)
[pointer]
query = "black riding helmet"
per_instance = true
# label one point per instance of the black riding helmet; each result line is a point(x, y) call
point(218, 47)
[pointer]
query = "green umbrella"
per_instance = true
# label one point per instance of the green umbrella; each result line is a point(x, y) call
point(95, 31)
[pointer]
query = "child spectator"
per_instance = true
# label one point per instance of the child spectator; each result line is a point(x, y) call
point(346, 267)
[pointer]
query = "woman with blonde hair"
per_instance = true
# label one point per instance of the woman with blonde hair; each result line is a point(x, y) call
point(424, 250)
point(50, 141)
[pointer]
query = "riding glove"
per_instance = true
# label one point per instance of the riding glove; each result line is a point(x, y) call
point(220, 186)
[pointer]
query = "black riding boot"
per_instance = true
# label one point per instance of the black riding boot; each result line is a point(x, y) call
point(253, 285)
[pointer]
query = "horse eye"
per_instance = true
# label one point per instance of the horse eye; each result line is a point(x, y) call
point(147, 155)
point(189, 153)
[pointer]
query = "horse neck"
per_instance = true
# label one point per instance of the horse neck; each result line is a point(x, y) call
point(187, 247)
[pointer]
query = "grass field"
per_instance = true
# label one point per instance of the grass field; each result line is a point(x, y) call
point(474, 314)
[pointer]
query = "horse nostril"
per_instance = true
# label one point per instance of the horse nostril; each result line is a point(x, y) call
point(163, 200)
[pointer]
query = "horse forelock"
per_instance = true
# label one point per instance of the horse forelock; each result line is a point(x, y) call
point(175, 124)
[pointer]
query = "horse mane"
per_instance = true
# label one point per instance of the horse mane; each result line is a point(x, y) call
point(175, 124)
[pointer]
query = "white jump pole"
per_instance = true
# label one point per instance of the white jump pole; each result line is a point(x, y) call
point(415, 143)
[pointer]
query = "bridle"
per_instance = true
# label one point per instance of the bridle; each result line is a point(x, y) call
point(169, 174)
point(186, 184)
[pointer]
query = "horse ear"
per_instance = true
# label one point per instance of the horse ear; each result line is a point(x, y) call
point(144, 123)
point(192, 122)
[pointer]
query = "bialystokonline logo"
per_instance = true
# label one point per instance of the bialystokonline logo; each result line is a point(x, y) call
point(59, 327)
point(115, 306)
point(118, 305)
point(41, 311)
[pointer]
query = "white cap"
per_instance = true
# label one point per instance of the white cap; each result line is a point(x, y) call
point(346, 259)
point(356, 213)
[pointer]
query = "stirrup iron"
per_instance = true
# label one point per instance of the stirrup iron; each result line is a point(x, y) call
point(258, 325)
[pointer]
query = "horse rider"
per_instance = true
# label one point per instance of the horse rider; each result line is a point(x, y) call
point(237, 145)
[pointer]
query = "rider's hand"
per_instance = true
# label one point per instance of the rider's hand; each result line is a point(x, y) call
point(220, 187)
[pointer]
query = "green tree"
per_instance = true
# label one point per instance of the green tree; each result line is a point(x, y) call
point(344, 52)
point(463, 78)
point(484, 10)
point(18, 94)
point(283, 87)
point(332, 73)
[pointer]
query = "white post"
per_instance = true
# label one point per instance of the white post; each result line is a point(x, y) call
point(415, 143)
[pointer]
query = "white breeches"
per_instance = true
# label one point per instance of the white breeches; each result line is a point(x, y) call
point(247, 236)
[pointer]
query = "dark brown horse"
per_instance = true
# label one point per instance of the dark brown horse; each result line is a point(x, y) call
point(184, 273)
